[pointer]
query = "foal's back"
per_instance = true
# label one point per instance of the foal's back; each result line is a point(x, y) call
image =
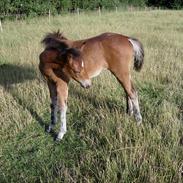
point(107, 51)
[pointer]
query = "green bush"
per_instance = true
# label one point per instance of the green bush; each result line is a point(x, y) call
point(171, 4)
point(42, 7)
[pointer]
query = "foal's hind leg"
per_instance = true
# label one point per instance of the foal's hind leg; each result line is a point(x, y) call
point(136, 108)
point(131, 95)
point(132, 104)
point(129, 108)
point(53, 105)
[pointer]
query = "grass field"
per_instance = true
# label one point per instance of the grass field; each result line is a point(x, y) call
point(103, 144)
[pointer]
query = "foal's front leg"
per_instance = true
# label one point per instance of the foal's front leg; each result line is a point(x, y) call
point(63, 127)
point(53, 105)
point(62, 91)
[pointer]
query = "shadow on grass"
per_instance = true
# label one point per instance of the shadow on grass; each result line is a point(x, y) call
point(14, 74)
point(98, 101)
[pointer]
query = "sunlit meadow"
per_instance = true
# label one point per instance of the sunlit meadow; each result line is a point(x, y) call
point(102, 144)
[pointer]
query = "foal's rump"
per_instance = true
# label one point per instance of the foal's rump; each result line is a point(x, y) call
point(118, 50)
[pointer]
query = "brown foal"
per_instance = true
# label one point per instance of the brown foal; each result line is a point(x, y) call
point(81, 60)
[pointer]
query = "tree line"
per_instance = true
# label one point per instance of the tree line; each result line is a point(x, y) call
point(41, 7)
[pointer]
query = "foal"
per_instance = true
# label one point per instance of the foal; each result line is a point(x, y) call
point(81, 60)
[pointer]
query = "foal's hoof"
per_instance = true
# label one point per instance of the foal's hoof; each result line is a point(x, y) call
point(138, 119)
point(57, 139)
point(60, 136)
point(48, 129)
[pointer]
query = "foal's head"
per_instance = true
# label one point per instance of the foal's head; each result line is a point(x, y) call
point(72, 57)
point(75, 67)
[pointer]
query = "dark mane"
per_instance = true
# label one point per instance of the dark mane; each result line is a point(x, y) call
point(55, 40)
point(74, 52)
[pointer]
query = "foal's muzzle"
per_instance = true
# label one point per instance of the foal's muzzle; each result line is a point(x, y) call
point(85, 83)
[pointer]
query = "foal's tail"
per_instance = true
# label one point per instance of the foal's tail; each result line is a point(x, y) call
point(138, 53)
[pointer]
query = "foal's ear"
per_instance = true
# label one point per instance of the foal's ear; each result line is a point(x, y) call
point(83, 45)
point(72, 53)
point(80, 45)
point(66, 54)
point(74, 59)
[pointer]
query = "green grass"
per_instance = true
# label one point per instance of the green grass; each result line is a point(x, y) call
point(102, 144)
